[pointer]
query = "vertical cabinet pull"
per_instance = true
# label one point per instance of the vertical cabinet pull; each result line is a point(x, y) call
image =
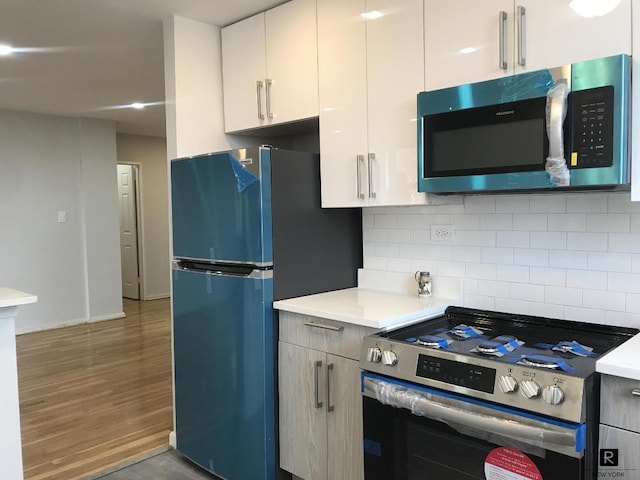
point(329, 406)
point(359, 162)
point(268, 88)
point(502, 32)
point(316, 373)
point(520, 15)
point(259, 85)
point(635, 392)
point(372, 157)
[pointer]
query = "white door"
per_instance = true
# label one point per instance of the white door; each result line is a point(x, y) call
point(127, 175)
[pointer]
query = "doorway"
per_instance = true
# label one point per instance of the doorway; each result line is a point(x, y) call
point(128, 203)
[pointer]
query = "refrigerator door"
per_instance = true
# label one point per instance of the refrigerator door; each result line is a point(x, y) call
point(221, 207)
point(224, 373)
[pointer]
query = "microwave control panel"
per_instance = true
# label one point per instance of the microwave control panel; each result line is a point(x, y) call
point(592, 120)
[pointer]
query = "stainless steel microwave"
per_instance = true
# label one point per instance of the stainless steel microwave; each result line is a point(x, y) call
point(513, 133)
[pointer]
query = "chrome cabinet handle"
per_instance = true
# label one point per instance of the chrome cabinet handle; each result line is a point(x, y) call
point(359, 162)
point(324, 327)
point(635, 392)
point(259, 85)
point(372, 157)
point(268, 88)
point(329, 406)
point(520, 14)
point(316, 368)
point(502, 62)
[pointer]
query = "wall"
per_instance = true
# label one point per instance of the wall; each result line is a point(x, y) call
point(573, 256)
point(151, 154)
point(50, 164)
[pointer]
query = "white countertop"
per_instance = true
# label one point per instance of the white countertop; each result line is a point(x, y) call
point(624, 361)
point(369, 308)
point(11, 298)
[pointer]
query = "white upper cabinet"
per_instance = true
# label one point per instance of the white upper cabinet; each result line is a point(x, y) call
point(370, 71)
point(468, 41)
point(270, 67)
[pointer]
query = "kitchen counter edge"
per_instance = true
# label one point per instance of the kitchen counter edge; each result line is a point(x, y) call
point(624, 361)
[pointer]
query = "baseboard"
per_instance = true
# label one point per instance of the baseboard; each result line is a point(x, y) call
point(101, 318)
point(172, 438)
point(157, 297)
point(79, 321)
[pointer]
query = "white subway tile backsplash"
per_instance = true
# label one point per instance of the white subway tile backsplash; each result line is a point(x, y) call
point(479, 204)
point(479, 301)
point(512, 273)
point(513, 239)
point(497, 255)
point(548, 276)
point(374, 263)
point(481, 271)
point(610, 262)
point(379, 210)
point(624, 242)
point(567, 222)
point(635, 223)
point(466, 221)
point(526, 291)
point(587, 203)
point(624, 282)
point(399, 265)
point(622, 319)
point(568, 259)
point(449, 209)
point(549, 240)
point(413, 222)
point(609, 222)
point(369, 249)
point(386, 221)
point(398, 236)
point(387, 250)
point(552, 203)
point(491, 288)
point(367, 220)
point(604, 300)
point(588, 315)
point(451, 269)
point(496, 221)
point(511, 305)
point(512, 204)
point(420, 237)
point(438, 252)
point(621, 203)
point(478, 238)
point(563, 296)
point(436, 200)
point(413, 251)
point(546, 310)
point(587, 279)
point(473, 254)
point(635, 263)
point(531, 257)
point(471, 286)
point(594, 242)
point(633, 303)
point(533, 222)
point(374, 235)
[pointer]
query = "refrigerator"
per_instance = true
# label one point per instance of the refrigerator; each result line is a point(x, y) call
point(248, 229)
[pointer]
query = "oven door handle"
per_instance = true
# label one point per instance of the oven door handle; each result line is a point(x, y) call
point(475, 416)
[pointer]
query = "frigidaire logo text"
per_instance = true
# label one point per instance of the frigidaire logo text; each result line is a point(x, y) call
point(506, 112)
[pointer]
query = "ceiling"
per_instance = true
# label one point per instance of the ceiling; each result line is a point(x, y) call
point(90, 58)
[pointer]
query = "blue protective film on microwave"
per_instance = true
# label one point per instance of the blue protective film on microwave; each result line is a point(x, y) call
point(244, 178)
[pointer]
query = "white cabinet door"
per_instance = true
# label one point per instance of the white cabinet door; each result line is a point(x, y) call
point(303, 431)
point(462, 41)
point(243, 64)
point(342, 73)
point(344, 419)
point(395, 75)
point(556, 35)
point(292, 61)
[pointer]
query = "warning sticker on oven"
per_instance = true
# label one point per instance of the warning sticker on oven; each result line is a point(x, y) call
point(506, 463)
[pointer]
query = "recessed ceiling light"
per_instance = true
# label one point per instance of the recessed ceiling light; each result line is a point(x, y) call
point(6, 49)
point(137, 105)
point(372, 15)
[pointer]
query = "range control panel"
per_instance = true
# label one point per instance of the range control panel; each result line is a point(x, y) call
point(592, 122)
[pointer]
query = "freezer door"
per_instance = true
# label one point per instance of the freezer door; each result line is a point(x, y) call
point(224, 373)
point(221, 206)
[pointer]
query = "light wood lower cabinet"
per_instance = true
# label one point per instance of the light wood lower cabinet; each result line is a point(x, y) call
point(320, 401)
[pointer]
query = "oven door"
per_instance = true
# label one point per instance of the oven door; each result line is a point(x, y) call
point(418, 433)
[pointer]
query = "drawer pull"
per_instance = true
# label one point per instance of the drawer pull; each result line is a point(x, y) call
point(635, 392)
point(325, 327)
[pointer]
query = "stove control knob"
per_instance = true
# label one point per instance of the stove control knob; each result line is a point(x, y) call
point(552, 394)
point(507, 384)
point(389, 358)
point(529, 389)
point(374, 355)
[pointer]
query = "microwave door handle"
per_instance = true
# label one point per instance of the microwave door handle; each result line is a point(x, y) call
point(520, 14)
point(502, 33)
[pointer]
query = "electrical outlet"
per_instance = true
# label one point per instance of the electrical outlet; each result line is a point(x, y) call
point(442, 233)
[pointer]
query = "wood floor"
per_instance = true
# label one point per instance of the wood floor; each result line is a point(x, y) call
point(95, 395)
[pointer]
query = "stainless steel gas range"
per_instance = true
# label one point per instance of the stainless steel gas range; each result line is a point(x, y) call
point(486, 395)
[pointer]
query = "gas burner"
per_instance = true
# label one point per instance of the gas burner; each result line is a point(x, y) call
point(498, 346)
point(538, 362)
point(464, 332)
point(433, 341)
point(574, 348)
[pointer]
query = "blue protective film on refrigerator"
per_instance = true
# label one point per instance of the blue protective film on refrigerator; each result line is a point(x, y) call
point(244, 178)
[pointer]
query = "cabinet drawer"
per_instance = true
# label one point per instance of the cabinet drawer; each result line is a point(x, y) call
point(338, 338)
point(619, 406)
point(621, 460)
